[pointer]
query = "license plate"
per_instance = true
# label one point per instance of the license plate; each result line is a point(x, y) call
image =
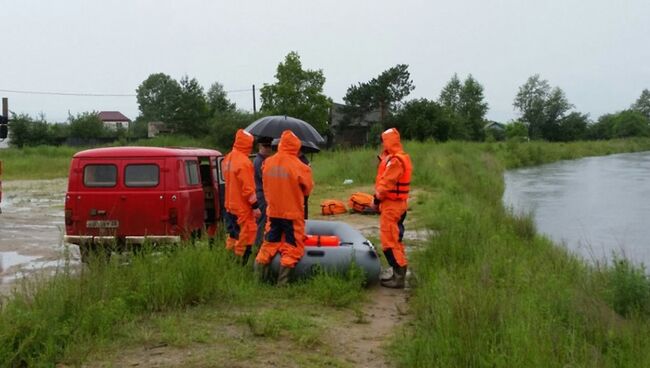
point(103, 224)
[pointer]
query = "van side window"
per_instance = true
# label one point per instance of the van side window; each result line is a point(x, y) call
point(100, 175)
point(192, 172)
point(145, 175)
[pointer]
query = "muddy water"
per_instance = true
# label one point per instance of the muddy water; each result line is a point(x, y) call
point(31, 228)
point(596, 206)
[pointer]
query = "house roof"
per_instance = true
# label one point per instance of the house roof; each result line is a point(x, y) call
point(337, 114)
point(112, 116)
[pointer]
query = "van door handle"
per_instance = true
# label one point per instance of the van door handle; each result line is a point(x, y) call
point(123, 197)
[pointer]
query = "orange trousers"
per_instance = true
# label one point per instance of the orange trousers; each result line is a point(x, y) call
point(242, 228)
point(286, 237)
point(391, 229)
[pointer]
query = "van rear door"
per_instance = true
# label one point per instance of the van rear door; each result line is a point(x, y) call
point(143, 198)
point(97, 200)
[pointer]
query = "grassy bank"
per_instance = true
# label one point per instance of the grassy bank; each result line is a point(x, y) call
point(115, 306)
point(488, 291)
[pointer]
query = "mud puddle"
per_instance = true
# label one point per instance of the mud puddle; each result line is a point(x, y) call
point(31, 229)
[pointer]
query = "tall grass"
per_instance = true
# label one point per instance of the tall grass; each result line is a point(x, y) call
point(42, 162)
point(66, 315)
point(492, 293)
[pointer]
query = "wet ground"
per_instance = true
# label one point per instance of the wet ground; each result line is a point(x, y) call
point(31, 229)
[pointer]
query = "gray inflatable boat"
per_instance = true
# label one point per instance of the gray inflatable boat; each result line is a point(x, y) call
point(353, 247)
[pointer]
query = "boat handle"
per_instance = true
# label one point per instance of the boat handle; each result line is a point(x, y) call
point(316, 253)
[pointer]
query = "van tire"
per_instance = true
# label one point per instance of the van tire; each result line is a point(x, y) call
point(90, 251)
point(84, 252)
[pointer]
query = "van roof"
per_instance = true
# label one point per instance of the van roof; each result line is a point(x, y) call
point(133, 151)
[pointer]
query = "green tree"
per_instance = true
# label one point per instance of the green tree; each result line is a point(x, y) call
point(472, 108)
point(541, 108)
point(516, 130)
point(642, 104)
point(218, 101)
point(20, 130)
point(297, 93)
point(630, 123)
point(623, 124)
point(464, 102)
point(158, 98)
point(86, 125)
point(603, 128)
point(384, 92)
point(573, 127)
point(224, 125)
point(423, 119)
point(192, 112)
point(450, 95)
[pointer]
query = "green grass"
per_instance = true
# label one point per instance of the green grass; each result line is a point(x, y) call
point(42, 162)
point(73, 313)
point(490, 291)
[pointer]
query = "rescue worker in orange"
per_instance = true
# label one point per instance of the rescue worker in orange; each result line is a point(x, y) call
point(392, 186)
point(240, 200)
point(287, 182)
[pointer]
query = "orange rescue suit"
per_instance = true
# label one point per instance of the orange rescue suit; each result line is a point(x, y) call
point(240, 199)
point(392, 186)
point(287, 181)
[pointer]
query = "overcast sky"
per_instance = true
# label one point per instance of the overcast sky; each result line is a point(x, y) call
point(597, 51)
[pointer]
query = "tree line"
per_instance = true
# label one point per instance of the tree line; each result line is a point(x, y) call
point(458, 113)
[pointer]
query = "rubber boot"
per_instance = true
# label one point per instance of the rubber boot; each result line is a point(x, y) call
point(398, 281)
point(283, 276)
point(247, 255)
point(387, 274)
point(263, 272)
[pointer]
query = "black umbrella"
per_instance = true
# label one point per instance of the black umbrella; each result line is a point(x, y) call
point(273, 126)
point(307, 147)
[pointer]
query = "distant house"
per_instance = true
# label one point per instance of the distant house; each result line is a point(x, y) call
point(351, 131)
point(496, 130)
point(156, 127)
point(114, 120)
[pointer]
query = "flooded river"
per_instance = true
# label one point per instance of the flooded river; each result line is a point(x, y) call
point(594, 206)
point(31, 228)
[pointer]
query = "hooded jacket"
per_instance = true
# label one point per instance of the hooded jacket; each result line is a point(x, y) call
point(286, 180)
point(394, 173)
point(239, 175)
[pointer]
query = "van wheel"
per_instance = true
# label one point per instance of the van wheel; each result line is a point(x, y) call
point(90, 251)
point(84, 252)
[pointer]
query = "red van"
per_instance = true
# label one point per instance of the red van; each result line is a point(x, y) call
point(122, 196)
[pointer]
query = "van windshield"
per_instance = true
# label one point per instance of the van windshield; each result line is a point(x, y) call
point(100, 175)
point(145, 175)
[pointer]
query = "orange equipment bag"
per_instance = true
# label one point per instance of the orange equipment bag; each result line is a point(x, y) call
point(332, 207)
point(362, 203)
point(322, 241)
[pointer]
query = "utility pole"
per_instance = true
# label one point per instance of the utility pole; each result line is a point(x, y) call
point(254, 106)
point(4, 118)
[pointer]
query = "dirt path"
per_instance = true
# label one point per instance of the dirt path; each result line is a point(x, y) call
point(363, 339)
point(364, 336)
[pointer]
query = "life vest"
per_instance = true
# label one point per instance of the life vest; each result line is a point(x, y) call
point(330, 207)
point(362, 203)
point(322, 241)
point(403, 186)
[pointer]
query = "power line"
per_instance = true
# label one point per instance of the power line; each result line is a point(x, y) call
point(90, 94)
point(85, 94)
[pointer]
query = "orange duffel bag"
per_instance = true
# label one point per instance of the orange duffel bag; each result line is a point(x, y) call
point(362, 203)
point(322, 241)
point(332, 207)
